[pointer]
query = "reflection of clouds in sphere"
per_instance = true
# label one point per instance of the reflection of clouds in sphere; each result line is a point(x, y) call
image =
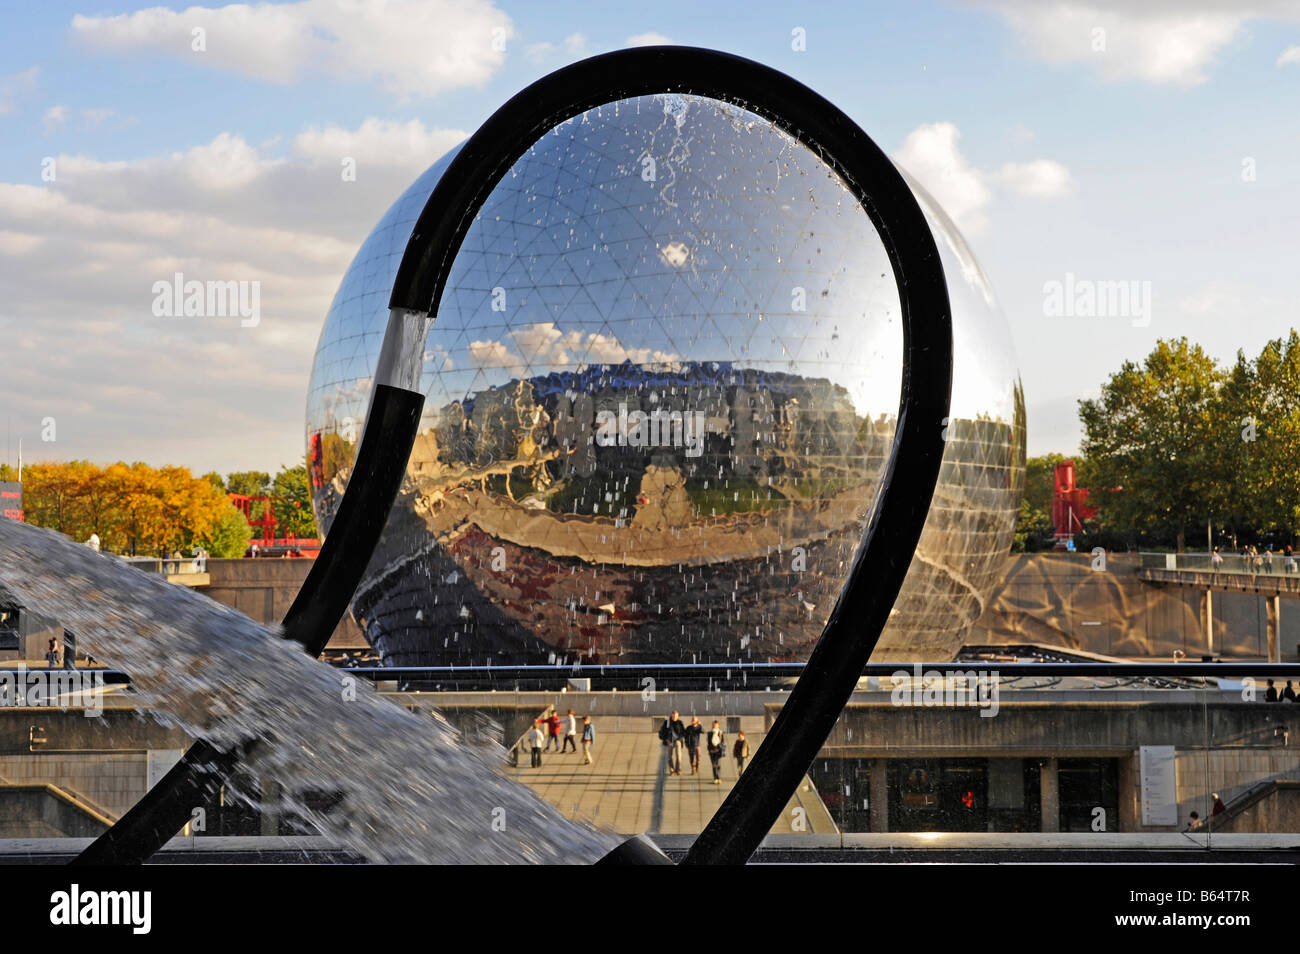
point(661, 389)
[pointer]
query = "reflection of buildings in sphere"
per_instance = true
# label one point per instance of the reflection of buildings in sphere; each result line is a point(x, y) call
point(658, 410)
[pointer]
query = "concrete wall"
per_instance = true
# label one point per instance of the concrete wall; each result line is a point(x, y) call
point(1277, 810)
point(1222, 746)
point(45, 811)
point(109, 782)
point(264, 589)
point(1058, 599)
point(102, 760)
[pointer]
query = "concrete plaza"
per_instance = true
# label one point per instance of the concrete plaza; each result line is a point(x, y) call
point(626, 788)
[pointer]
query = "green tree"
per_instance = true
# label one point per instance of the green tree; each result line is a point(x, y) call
point(251, 483)
point(1151, 439)
point(1259, 443)
point(291, 499)
point(229, 534)
point(1034, 522)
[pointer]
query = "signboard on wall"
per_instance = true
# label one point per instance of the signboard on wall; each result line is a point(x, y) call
point(11, 500)
point(1159, 785)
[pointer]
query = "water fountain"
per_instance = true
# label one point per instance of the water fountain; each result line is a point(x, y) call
point(894, 519)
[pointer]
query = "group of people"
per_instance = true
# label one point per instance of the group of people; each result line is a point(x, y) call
point(546, 733)
point(677, 736)
point(1253, 560)
point(1286, 695)
point(1194, 822)
point(563, 733)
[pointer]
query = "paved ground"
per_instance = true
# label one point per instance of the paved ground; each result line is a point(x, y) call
point(626, 788)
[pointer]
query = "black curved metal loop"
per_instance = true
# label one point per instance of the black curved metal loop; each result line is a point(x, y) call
point(903, 497)
point(380, 465)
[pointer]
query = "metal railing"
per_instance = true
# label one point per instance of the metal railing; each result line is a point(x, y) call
point(170, 566)
point(1268, 563)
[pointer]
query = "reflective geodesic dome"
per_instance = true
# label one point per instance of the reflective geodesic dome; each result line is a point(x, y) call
point(661, 389)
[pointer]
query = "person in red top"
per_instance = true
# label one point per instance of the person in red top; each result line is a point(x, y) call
point(553, 737)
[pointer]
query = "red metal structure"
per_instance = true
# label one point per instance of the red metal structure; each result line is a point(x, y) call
point(270, 544)
point(267, 521)
point(1069, 504)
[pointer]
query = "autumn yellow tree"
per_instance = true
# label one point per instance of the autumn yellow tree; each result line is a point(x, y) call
point(134, 508)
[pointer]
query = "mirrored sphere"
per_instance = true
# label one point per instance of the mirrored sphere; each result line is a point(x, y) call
point(661, 389)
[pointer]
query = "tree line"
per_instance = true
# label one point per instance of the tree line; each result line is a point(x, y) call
point(1177, 449)
point(139, 510)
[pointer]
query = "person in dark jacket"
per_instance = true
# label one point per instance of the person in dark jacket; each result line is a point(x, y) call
point(1288, 694)
point(692, 739)
point(1270, 695)
point(671, 734)
point(717, 743)
point(740, 751)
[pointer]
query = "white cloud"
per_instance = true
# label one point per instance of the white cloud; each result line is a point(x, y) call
point(14, 85)
point(1290, 55)
point(1039, 179)
point(54, 117)
point(79, 256)
point(575, 44)
point(379, 142)
point(542, 345)
point(494, 354)
point(57, 116)
point(411, 47)
point(931, 154)
point(1157, 41)
point(90, 118)
point(648, 39)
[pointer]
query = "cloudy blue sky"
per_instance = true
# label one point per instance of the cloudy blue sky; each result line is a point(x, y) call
point(1110, 140)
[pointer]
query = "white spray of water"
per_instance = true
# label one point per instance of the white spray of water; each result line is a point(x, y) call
point(413, 791)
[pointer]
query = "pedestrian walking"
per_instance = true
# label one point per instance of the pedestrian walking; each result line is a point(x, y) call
point(570, 732)
point(740, 752)
point(588, 739)
point(692, 740)
point(537, 739)
point(1270, 694)
point(717, 742)
point(553, 736)
point(52, 655)
point(671, 734)
point(1288, 694)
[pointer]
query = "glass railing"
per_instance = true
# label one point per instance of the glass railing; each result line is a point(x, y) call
point(1269, 562)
